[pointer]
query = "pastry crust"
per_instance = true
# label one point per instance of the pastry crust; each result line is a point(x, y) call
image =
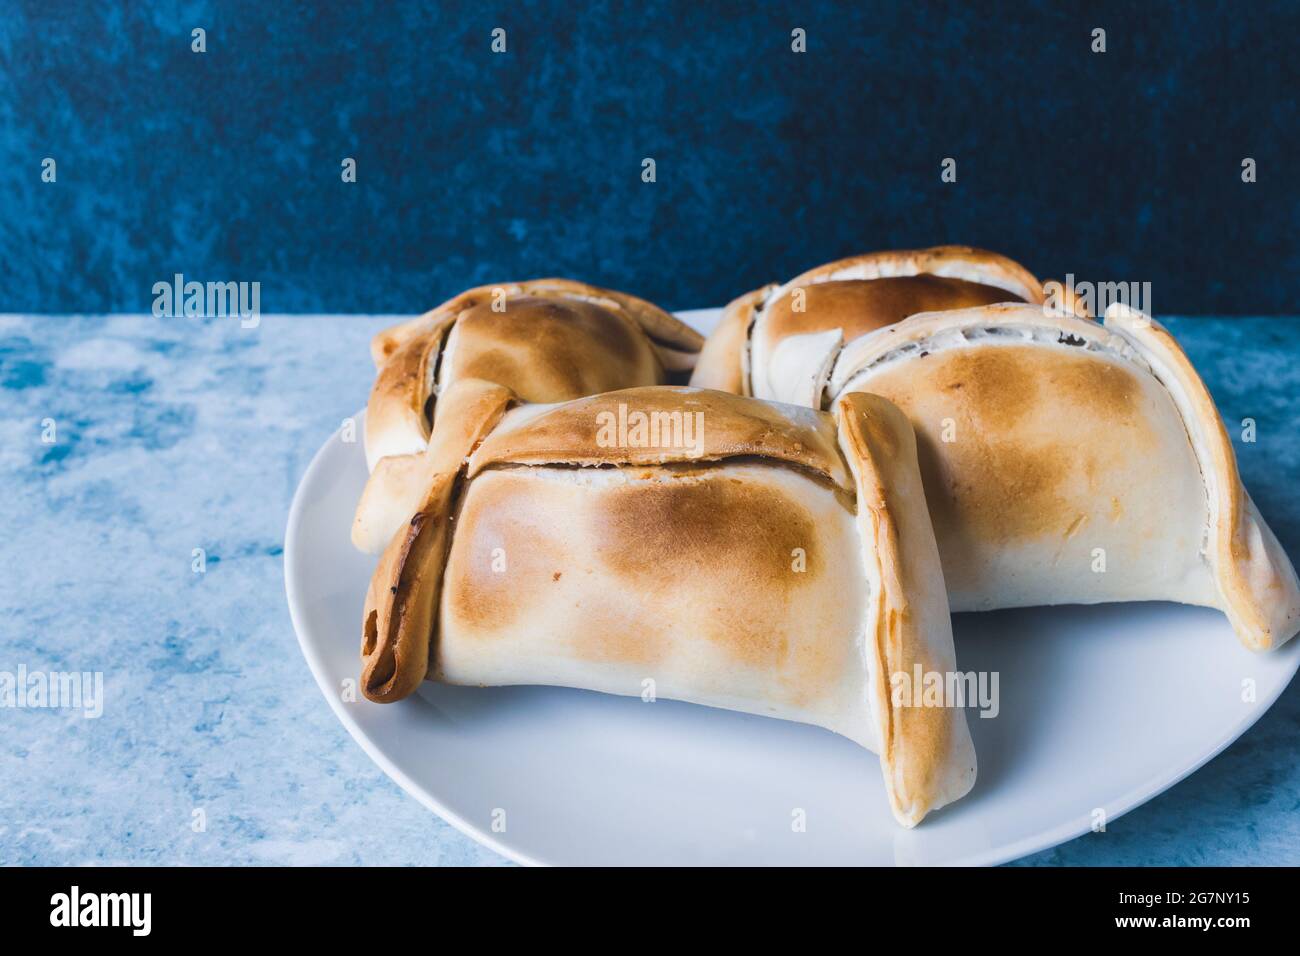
point(1068, 461)
point(1258, 587)
point(780, 342)
point(547, 340)
point(471, 409)
point(724, 359)
point(926, 753)
point(783, 565)
point(965, 263)
point(568, 434)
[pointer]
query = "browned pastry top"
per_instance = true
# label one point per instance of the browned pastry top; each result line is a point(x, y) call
point(729, 426)
point(859, 306)
point(547, 340)
point(550, 349)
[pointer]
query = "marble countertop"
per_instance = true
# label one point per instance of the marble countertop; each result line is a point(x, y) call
point(215, 746)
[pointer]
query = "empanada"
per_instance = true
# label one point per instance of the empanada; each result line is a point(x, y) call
point(698, 545)
point(1064, 461)
point(778, 342)
point(548, 340)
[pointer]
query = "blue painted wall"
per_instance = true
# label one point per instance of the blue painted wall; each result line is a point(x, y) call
point(477, 167)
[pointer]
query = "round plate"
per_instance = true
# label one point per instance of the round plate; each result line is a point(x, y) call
point(1100, 709)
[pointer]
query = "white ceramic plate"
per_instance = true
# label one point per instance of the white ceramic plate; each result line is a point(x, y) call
point(1101, 708)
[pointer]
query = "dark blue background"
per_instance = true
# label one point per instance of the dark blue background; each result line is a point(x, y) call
point(476, 167)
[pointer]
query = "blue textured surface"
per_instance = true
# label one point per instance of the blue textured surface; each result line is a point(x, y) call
point(182, 434)
point(476, 167)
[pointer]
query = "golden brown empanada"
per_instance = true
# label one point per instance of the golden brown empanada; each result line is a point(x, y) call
point(1065, 461)
point(548, 340)
point(731, 552)
point(778, 342)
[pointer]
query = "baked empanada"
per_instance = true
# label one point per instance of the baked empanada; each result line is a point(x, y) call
point(1065, 461)
point(549, 340)
point(703, 546)
point(779, 342)
point(1068, 461)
